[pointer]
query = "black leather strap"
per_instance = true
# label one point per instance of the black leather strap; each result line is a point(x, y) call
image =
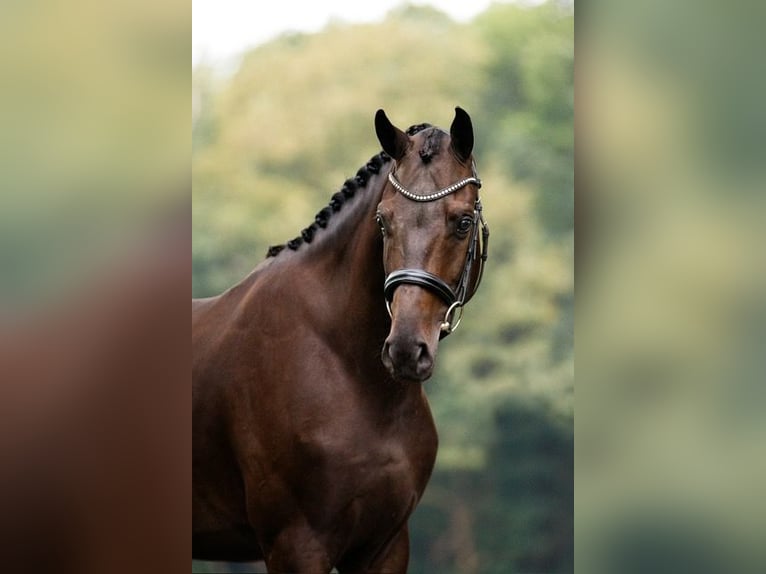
point(418, 277)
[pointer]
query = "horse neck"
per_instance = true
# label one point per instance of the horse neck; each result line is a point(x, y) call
point(346, 261)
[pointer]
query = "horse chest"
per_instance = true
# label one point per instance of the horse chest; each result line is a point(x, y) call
point(369, 492)
point(389, 464)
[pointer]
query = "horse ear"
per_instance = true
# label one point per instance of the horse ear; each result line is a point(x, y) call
point(461, 133)
point(393, 140)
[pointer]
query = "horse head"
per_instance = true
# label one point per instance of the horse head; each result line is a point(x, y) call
point(434, 238)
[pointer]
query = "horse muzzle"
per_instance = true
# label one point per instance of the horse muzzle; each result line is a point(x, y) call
point(409, 350)
point(408, 358)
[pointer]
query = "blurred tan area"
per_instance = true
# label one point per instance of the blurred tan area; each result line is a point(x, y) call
point(94, 276)
point(671, 306)
point(94, 139)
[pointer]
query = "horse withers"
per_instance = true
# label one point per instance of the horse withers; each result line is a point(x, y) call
point(312, 435)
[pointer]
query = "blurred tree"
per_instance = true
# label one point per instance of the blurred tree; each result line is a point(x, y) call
point(513, 515)
point(528, 100)
point(204, 122)
point(532, 485)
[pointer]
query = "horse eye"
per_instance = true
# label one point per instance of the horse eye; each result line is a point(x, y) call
point(464, 225)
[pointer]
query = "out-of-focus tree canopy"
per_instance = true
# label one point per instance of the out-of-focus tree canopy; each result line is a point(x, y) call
point(274, 140)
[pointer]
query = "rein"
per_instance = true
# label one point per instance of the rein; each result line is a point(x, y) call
point(477, 251)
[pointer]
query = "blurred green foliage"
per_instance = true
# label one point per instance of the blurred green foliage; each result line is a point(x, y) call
point(671, 318)
point(272, 141)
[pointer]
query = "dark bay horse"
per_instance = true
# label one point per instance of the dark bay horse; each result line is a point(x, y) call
point(312, 436)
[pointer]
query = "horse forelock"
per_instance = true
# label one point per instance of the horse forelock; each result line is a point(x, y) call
point(412, 130)
point(431, 144)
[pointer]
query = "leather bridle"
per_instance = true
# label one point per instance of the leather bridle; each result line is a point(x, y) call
point(476, 253)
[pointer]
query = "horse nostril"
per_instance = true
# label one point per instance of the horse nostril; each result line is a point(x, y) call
point(385, 354)
point(424, 360)
point(422, 352)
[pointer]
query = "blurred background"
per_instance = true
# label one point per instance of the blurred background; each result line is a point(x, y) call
point(281, 117)
point(92, 142)
point(671, 288)
point(671, 303)
point(95, 206)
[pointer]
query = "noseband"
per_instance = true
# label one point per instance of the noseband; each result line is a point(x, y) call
point(477, 251)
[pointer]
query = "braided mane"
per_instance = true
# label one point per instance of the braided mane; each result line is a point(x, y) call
point(347, 191)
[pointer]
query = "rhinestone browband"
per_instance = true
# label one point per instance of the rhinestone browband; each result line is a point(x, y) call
point(435, 195)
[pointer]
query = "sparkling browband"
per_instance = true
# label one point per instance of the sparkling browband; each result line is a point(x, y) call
point(435, 195)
